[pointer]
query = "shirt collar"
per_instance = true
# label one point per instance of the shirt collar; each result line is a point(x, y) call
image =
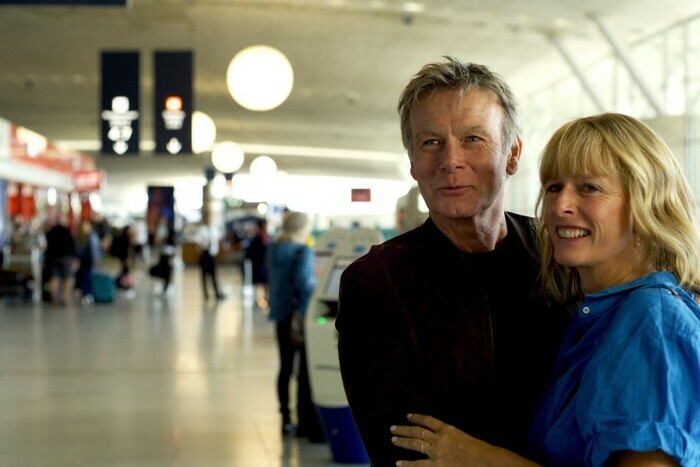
point(599, 302)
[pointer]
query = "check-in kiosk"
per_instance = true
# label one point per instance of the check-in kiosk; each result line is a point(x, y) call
point(322, 348)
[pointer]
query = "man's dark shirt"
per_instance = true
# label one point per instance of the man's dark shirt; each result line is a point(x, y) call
point(425, 328)
point(60, 242)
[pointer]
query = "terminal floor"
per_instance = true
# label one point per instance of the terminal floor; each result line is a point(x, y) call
point(144, 381)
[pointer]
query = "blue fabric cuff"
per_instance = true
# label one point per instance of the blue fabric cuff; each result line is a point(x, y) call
point(643, 437)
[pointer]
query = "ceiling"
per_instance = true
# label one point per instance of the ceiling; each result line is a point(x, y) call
point(351, 59)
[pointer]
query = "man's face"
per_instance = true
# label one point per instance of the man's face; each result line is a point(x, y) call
point(457, 154)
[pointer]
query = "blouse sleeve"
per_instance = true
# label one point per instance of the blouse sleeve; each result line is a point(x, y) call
point(641, 390)
point(305, 277)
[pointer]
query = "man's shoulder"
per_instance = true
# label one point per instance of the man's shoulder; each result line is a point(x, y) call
point(396, 248)
point(520, 220)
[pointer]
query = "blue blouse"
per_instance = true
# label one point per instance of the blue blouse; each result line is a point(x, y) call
point(627, 377)
point(290, 267)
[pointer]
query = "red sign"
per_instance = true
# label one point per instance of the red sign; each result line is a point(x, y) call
point(87, 180)
point(362, 195)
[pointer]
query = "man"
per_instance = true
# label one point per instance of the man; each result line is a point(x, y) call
point(446, 319)
point(208, 242)
point(62, 258)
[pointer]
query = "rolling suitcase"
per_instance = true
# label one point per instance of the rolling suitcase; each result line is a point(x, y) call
point(103, 287)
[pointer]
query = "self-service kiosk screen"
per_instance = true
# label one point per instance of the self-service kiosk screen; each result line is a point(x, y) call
point(333, 284)
point(321, 260)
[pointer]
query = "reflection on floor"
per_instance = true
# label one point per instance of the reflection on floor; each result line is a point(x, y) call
point(144, 381)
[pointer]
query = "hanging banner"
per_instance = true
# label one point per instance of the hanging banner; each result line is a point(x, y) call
point(173, 102)
point(119, 114)
point(5, 139)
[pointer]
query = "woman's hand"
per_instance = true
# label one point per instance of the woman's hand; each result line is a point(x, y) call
point(446, 446)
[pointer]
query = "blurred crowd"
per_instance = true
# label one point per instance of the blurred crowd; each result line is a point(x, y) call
point(58, 259)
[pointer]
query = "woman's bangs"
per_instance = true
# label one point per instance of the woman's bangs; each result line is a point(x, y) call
point(576, 154)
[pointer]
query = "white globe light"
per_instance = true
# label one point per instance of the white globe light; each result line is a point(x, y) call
point(203, 132)
point(260, 78)
point(263, 166)
point(227, 157)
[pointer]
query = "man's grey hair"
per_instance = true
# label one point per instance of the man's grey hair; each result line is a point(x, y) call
point(455, 74)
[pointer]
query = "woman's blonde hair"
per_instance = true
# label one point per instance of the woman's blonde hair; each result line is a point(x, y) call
point(661, 206)
point(294, 227)
point(84, 230)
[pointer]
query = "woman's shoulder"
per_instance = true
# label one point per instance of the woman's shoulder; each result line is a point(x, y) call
point(661, 307)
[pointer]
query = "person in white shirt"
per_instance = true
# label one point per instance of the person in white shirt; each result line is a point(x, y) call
point(208, 241)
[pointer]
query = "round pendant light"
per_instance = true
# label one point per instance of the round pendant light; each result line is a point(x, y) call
point(203, 132)
point(260, 78)
point(263, 167)
point(227, 157)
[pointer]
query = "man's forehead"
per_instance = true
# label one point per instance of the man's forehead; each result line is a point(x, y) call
point(436, 103)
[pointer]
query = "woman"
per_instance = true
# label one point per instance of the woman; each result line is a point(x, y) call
point(164, 241)
point(90, 256)
point(617, 235)
point(292, 280)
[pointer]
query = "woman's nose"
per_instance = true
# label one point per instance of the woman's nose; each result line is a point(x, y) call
point(564, 202)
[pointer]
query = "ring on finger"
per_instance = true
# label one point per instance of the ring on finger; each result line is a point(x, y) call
point(421, 448)
point(422, 433)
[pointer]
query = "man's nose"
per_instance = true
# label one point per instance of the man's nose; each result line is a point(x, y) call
point(452, 157)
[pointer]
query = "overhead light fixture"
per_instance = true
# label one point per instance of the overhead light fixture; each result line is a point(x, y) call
point(203, 132)
point(413, 7)
point(227, 157)
point(262, 167)
point(260, 78)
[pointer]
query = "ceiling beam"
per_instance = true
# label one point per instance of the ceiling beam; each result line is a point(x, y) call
point(621, 51)
point(578, 72)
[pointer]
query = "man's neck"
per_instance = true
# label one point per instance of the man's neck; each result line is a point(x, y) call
point(474, 234)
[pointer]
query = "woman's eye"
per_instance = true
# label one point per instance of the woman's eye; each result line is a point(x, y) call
point(553, 188)
point(590, 188)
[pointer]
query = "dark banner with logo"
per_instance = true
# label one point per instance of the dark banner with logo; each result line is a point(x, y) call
point(120, 111)
point(173, 102)
point(122, 3)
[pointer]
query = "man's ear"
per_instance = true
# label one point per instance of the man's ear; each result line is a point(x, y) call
point(516, 151)
point(413, 175)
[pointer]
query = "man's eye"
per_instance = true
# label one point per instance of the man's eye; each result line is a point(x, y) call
point(472, 139)
point(430, 142)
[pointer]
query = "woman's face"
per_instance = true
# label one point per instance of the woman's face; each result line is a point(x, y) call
point(588, 221)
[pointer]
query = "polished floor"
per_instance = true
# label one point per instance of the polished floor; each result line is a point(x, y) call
point(144, 381)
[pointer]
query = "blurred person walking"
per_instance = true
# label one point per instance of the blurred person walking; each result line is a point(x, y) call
point(292, 281)
point(257, 254)
point(121, 249)
point(208, 242)
point(89, 254)
point(62, 260)
point(164, 243)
